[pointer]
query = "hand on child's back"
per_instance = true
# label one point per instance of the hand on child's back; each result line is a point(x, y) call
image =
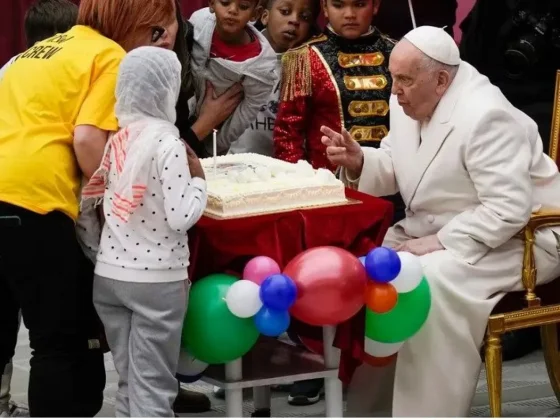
point(195, 166)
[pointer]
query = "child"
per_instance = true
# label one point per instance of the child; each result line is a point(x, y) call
point(349, 86)
point(228, 49)
point(288, 23)
point(153, 191)
point(43, 19)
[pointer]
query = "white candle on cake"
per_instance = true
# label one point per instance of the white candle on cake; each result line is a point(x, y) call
point(215, 151)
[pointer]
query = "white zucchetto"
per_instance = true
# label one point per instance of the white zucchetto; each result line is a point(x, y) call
point(436, 44)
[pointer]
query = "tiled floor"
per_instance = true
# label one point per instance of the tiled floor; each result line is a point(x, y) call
point(527, 392)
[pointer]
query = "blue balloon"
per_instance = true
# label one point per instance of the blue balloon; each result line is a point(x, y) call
point(188, 379)
point(272, 323)
point(363, 260)
point(278, 292)
point(383, 264)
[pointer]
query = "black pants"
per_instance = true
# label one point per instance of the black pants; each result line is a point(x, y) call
point(44, 272)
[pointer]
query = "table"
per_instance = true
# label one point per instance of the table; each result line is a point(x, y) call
point(226, 246)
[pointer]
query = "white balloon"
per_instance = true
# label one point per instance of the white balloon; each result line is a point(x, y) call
point(189, 366)
point(378, 349)
point(410, 275)
point(243, 299)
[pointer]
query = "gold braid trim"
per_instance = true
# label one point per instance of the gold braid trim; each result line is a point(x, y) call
point(296, 74)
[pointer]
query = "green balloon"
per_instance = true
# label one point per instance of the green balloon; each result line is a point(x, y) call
point(404, 320)
point(211, 333)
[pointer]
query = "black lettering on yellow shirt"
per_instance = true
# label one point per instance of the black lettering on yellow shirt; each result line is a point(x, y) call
point(41, 51)
point(58, 39)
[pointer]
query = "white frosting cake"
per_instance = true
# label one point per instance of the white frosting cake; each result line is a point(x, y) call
point(248, 184)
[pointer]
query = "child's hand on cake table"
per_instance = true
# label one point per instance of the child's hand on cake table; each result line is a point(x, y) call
point(195, 167)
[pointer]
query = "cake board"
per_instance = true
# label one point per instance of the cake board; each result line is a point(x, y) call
point(349, 202)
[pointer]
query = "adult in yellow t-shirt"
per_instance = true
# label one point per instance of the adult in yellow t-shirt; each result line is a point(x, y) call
point(56, 109)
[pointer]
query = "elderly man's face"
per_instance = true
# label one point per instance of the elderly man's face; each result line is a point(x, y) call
point(417, 88)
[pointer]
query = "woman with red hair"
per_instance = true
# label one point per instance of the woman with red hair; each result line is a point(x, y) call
point(57, 108)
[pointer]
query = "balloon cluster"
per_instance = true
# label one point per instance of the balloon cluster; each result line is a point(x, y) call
point(397, 299)
point(265, 294)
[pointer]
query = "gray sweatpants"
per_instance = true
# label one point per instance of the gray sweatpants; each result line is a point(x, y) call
point(143, 323)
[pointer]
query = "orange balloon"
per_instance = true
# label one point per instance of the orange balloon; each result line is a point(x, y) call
point(381, 297)
point(378, 361)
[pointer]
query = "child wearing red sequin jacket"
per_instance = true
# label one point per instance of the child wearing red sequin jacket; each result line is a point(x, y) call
point(338, 79)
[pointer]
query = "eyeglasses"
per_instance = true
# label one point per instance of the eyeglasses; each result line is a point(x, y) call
point(157, 33)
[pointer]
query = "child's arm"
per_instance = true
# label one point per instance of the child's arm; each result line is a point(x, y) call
point(184, 196)
point(256, 95)
point(291, 120)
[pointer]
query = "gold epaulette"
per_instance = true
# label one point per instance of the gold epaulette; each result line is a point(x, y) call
point(296, 71)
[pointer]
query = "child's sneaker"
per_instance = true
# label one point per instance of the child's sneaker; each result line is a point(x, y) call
point(306, 392)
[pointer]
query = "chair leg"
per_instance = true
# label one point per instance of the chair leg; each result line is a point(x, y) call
point(549, 337)
point(493, 358)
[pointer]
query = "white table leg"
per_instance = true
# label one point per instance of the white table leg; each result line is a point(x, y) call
point(333, 386)
point(261, 398)
point(234, 397)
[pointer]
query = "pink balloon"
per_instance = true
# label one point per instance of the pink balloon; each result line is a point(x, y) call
point(259, 268)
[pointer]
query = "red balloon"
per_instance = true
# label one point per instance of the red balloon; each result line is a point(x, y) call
point(331, 284)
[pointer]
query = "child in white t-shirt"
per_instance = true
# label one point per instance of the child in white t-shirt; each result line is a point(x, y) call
point(153, 191)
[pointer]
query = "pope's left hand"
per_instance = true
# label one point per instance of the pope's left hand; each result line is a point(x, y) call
point(421, 246)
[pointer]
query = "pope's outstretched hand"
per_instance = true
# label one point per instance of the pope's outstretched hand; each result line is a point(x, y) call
point(343, 151)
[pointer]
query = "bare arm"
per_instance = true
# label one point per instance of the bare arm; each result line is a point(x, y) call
point(89, 145)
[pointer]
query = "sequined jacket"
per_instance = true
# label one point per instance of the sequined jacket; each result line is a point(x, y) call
point(335, 82)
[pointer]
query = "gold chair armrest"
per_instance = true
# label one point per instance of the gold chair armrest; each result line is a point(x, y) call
point(543, 218)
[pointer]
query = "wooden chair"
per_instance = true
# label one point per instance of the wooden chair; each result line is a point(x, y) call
point(525, 309)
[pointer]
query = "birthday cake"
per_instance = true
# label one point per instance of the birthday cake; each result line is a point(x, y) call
point(248, 184)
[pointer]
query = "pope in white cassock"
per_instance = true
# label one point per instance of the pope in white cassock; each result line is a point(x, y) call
point(470, 168)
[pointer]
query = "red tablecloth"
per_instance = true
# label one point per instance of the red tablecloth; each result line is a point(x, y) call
point(226, 245)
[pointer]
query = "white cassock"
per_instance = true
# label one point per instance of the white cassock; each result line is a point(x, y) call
point(473, 180)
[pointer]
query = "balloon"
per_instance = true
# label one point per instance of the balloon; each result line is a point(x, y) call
point(378, 349)
point(381, 297)
point(411, 273)
point(382, 264)
point(378, 361)
point(189, 368)
point(278, 292)
point(272, 323)
point(211, 333)
point(243, 300)
point(404, 320)
point(259, 268)
point(330, 284)
point(363, 260)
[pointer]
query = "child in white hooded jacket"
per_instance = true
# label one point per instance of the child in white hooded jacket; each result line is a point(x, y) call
point(153, 192)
